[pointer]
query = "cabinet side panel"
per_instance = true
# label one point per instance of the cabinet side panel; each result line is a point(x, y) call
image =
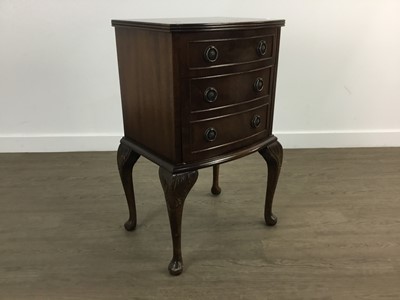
point(146, 81)
point(274, 79)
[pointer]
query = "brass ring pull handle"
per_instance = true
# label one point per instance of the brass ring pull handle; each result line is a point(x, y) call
point(210, 134)
point(256, 121)
point(210, 95)
point(262, 48)
point(211, 54)
point(258, 84)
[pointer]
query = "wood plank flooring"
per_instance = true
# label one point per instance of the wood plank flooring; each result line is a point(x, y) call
point(337, 237)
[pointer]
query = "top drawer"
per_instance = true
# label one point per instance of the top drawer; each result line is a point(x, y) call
point(230, 51)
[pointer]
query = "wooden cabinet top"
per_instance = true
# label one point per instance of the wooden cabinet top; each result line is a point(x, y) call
point(199, 24)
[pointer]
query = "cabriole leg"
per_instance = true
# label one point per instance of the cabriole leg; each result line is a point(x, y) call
point(215, 189)
point(176, 187)
point(273, 155)
point(126, 159)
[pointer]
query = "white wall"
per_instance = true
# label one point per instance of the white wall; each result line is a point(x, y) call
point(338, 81)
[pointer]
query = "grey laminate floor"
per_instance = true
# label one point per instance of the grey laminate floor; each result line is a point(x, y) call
point(338, 234)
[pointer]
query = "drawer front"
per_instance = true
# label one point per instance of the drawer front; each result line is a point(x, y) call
point(209, 93)
point(216, 52)
point(218, 135)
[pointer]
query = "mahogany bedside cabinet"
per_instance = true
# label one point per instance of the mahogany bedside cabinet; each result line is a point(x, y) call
point(196, 93)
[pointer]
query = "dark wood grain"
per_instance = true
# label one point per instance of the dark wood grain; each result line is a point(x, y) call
point(166, 71)
point(184, 167)
point(274, 79)
point(233, 131)
point(146, 80)
point(157, 79)
point(246, 58)
point(199, 24)
point(216, 73)
point(230, 50)
point(176, 187)
point(233, 89)
point(126, 159)
point(215, 189)
point(273, 155)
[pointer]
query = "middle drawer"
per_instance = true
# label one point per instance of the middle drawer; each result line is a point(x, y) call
point(222, 91)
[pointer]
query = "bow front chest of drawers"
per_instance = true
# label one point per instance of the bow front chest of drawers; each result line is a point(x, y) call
point(196, 93)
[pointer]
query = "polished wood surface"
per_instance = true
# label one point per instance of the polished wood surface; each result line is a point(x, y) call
point(179, 168)
point(150, 115)
point(236, 89)
point(176, 188)
point(273, 155)
point(194, 95)
point(215, 189)
point(338, 235)
point(233, 131)
point(126, 159)
point(164, 75)
point(199, 24)
point(232, 49)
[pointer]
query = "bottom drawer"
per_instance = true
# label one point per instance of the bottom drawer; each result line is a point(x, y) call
point(222, 134)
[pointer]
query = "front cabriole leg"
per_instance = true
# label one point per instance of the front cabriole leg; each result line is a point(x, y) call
point(126, 159)
point(176, 187)
point(273, 155)
point(215, 189)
